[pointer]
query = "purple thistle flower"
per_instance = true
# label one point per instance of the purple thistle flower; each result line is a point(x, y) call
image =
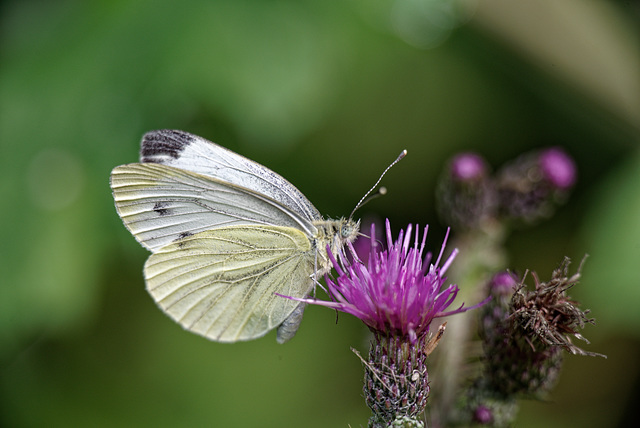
point(397, 293)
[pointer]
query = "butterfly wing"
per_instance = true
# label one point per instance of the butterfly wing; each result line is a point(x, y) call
point(220, 283)
point(160, 204)
point(189, 152)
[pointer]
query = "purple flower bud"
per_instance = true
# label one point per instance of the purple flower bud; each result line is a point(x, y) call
point(468, 167)
point(531, 186)
point(482, 415)
point(466, 195)
point(503, 284)
point(558, 168)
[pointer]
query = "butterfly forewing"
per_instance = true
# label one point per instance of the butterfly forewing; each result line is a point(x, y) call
point(220, 283)
point(196, 154)
point(160, 204)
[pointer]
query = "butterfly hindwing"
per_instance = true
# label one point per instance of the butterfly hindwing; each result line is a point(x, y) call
point(220, 283)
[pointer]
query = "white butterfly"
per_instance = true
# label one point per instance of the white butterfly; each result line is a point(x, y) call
point(225, 233)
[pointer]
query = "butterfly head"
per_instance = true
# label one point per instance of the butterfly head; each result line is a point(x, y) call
point(335, 234)
point(348, 231)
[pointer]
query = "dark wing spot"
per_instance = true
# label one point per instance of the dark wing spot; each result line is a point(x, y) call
point(161, 208)
point(180, 239)
point(163, 145)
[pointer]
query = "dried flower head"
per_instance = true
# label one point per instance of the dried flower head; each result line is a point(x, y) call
point(525, 331)
point(548, 314)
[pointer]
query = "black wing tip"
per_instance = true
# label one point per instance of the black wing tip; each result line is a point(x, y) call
point(163, 145)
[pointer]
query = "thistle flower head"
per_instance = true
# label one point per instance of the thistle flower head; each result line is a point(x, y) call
point(398, 292)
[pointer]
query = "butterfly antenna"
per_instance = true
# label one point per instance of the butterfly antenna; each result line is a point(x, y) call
point(383, 190)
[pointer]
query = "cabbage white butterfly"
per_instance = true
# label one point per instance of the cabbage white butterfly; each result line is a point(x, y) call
point(225, 234)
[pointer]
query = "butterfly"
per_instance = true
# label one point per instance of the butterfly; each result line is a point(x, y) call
point(226, 234)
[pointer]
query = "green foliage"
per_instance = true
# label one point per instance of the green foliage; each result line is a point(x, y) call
point(323, 92)
point(612, 236)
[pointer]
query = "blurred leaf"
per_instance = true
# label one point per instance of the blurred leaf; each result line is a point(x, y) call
point(576, 41)
point(611, 279)
point(151, 373)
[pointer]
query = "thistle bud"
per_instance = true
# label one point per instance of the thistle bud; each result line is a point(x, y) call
point(465, 194)
point(493, 327)
point(530, 187)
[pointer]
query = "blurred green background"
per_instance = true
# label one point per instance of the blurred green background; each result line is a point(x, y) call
point(326, 93)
